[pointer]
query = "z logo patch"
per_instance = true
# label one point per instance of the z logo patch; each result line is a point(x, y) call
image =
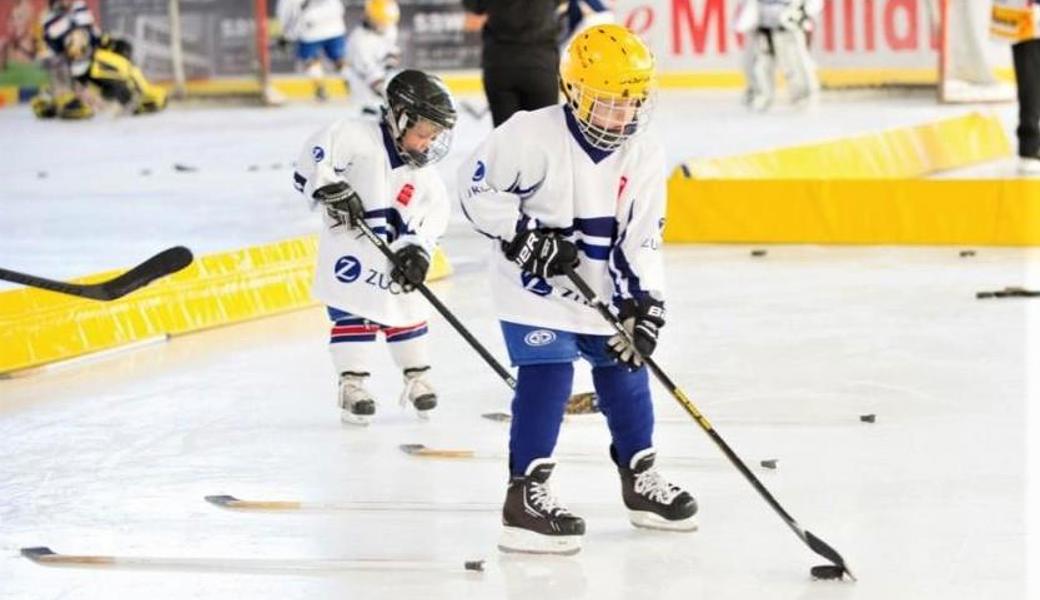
point(318, 153)
point(347, 269)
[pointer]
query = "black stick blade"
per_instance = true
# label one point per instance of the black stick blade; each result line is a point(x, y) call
point(37, 552)
point(167, 262)
point(823, 549)
point(222, 500)
point(826, 572)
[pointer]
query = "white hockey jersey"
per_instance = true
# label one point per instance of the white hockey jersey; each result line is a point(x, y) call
point(536, 171)
point(311, 20)
point(403, 204)
point(371, 56)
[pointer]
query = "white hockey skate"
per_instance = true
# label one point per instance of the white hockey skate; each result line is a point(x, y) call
point(356, 404)
point(418, 392)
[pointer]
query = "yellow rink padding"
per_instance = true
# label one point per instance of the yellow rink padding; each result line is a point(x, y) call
point(867, 189)
point(38, 327)
point(896, 153)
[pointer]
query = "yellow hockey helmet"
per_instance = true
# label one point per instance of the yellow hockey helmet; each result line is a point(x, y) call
point(382, 13)
point(607, 74)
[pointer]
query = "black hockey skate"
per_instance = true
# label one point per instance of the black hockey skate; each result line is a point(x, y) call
point(534, 521)
point(653, 502)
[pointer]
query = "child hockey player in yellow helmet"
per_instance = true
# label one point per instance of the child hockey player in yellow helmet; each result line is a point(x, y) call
point(579, 187)
point(373, 54)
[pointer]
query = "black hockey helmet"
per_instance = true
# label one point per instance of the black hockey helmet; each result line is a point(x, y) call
point(413, 96)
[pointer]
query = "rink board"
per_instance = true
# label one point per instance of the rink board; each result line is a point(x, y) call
point(867, 189)
point(39, 327)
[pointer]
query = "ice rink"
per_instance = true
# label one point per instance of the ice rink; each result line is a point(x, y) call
point(783, 353)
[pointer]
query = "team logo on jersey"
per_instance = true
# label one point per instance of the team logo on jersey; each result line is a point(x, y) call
point(348, 269)
point(540, 337)
point(318, 153)
point(405, 195)
point(479, 173)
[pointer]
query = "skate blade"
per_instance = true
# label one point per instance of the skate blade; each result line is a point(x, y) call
point(649, 520)
point(422, 413)
point(521, 541)
point(349, 418)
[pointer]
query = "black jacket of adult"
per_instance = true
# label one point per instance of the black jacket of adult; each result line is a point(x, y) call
point(518, 33)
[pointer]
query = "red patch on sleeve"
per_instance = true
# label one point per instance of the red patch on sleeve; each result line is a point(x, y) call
point(405, 195)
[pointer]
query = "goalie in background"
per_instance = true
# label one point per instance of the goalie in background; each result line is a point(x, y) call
point(80, 59)
point(778, 36)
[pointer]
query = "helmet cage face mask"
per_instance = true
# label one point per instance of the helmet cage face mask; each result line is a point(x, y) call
point(607, 121)
point(404, 120)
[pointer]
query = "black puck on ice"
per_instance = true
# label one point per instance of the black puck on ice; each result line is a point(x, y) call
point(826, 572)
point(253, 168)
point(474, 565)
point(769, 463)
point(868, 418)
point(758, 252)
point(183, 168)
point(41, 174)
point(967, 253)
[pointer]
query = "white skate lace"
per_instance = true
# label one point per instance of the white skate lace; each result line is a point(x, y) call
point(650, 484)
point(414, 387)
point(352, 392)
point(543, 499)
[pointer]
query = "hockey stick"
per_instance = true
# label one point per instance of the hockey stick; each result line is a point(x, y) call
point(504, 417)
point(407, 507)
point(164, 263)
point(233, 503)
point(474, 111)
point(577, 400)
point(814, 543)
point(43, 555)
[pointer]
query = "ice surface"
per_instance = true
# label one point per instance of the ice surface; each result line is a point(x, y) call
point(782, 352)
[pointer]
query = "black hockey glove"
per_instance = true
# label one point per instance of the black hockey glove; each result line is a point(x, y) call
point(411, 265)
point(342, 203)
point(641, 319)
point(542, 253)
